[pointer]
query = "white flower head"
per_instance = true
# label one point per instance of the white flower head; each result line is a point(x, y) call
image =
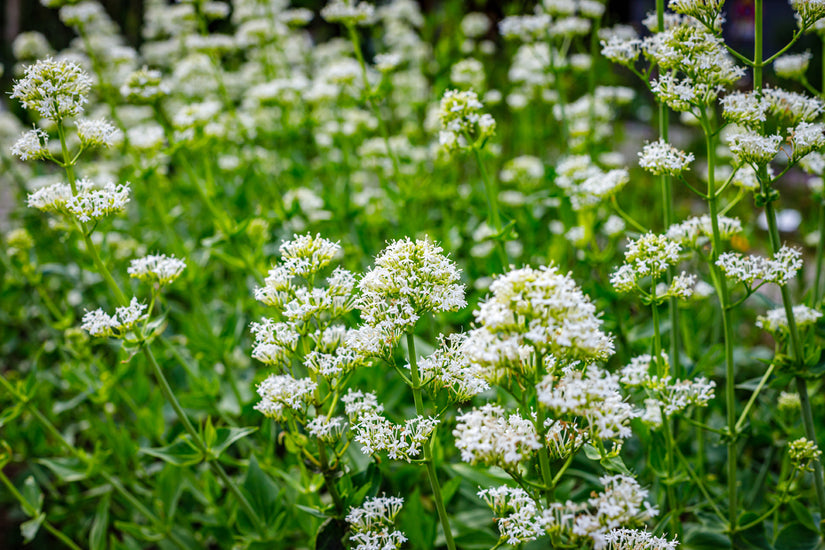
point(32, 145)
point(97, 133)
point(100, 324)
point(749, 269)
point(54, 89)
point(660, 158)
point(373, 524)
point(157, 268)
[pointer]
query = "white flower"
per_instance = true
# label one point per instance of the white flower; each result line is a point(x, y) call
point(518, 517)
point(648, 256)
point(157, 268)
point(808, 12)
point(682, 286)
point(792, 66)
point(592, 395)
point(100, 324)
point(622, 50)
point(274, 342)
point(461, 120)
point(747, 109)
point(55, 89)
point(280, 393)
point(696, 231)
point(326, 429)
point(776, 321)
point(488, 436)
point(535, 308)
point(660, 158)
point(94, 204)
point(97, 133)
point(144, 86)
point(449, 368)
point(349, 12)
point(747, 270)
point(792, 107)
point(32, 145)
point(754, 148)
point(634, 539)
point(806, 137)
point(372, 524)
point(409, 279)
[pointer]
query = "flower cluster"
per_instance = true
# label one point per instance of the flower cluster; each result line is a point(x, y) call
point(592, 395)
point(372, 524)
point(776, 321)
point(648, 256)
point(54, 89)
point(695, 232)
point(281, 392)
point(792, 66)
point(157, 269)
point(748, 269)
point(462, 124)
point(100, 324)
point(89, 203)
point(518, 517)
point(660, 158)
point(754, 148)
point(803, 453)
point(448, 367)
point(634, 539)
point(535, 309)
point(587, 185)
point(409, 278)
point(489, 436)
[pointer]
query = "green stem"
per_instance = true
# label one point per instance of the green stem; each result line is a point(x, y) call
point(330, 479)
point(493, 216)
point(428, 453)
point(722, 291)
point(820, 252)
point(744, 416)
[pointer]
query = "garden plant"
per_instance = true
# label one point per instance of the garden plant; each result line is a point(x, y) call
point(373, 277)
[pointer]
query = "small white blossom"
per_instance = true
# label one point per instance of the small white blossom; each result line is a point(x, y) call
point(754, 148)
point(157, 268)
point(349, 12)
point(489, 436)
point(97, 133)
point(372, 524)
point(792, 66)
point(54, 89)
point(100, 324)
point(660, 158)
point(32, 145)
point(776, 321)
point(280, 393)
point(747, 270)
point(803, 453)
point(518, 517)
point(634, 539)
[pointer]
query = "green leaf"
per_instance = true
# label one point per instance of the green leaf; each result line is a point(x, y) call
point(797, 537)
point(262, 491)
point(592, 452)
point(803, 514)
point(180, 453)
point(449, 489)
point(331, 534)
point(615, 464)
point(32, 493)
point(10, 413)
point(100, 524)
point(224, 437)
point(754, 537)
point(66, 469)
point(313, 511)
point(486, 477)
point(29, 528)
point(209, 433)
point(696, 539)
point(168, 490)
point(416, 523)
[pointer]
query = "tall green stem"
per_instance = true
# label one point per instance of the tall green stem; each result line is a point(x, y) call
point(666, 185)
point(724, 303)
point(493, 216)
point(428, 453)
